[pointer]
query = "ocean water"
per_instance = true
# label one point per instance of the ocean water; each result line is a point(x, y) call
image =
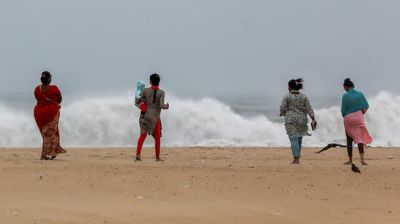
point(113, 122)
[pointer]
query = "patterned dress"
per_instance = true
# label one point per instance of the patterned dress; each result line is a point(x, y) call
point(295, 107)
point(149, 119)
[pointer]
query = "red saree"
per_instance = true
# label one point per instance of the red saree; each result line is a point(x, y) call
point(47, 114)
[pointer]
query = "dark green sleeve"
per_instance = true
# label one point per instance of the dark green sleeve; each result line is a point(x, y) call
point(343, 105)
point(364, 102)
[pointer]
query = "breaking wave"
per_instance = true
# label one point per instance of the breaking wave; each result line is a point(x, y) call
point(113, 122)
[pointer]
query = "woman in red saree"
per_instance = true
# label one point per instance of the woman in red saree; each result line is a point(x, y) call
point(47, 114)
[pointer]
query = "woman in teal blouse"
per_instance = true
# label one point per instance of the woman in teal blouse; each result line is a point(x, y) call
point(354, 106)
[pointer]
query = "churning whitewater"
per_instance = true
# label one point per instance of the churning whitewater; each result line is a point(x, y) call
point(113, 122)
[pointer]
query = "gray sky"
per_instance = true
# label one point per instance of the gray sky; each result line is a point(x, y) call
point(206, 47)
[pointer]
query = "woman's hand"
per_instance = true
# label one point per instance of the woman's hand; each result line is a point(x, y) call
point(166, 106)
point(314, 124)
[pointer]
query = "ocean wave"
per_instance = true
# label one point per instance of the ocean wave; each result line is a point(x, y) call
point(113, 122)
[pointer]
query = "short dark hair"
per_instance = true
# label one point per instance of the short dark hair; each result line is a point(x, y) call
point(45, 78)
point(296, 84)
point(155, 79)
point(348, 83)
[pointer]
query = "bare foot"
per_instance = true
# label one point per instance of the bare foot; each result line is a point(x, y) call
point(138, 159)
point(159, 160)
point(296, 162)
point(348, 163)
point(364, 163)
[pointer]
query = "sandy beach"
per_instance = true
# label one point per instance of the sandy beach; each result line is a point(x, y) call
point(198, 185)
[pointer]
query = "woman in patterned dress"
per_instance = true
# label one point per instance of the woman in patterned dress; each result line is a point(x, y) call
point(47, 114)
point(150, 122)
point(295, 107)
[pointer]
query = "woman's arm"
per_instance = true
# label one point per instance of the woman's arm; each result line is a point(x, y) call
point(343, 108)
point(284, 107)
point(365, 104)
point(309, 109)
point(162, 99)
point(141, 102)
point(36, 93)
point(58, 94)
point(142, 98)
point(310, 113)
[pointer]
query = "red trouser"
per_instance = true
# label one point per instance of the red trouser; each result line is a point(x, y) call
point(157, 139)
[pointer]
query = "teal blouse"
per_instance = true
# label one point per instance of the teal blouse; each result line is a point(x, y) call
point(353, 101)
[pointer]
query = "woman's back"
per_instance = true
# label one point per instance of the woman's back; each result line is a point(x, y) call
point(49, 94)
point(48, 104)
point(353, 101)
point(153, 103)
point(297, 103)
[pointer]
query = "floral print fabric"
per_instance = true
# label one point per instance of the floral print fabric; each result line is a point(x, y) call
point(295, 107)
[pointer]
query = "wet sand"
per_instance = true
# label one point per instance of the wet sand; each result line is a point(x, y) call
point(198, 185)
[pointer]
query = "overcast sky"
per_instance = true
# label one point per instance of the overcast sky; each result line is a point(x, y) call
point(206, 47)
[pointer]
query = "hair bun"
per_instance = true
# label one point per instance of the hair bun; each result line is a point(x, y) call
point(45, 77)
point(348, 83)
point(300, 80)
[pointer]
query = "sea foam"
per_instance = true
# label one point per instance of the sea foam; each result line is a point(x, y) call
point(113, 122)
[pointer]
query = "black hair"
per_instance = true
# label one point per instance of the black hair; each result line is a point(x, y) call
point(45, 78)
point(296, 84)
point(348, 83)
point(155, 79)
